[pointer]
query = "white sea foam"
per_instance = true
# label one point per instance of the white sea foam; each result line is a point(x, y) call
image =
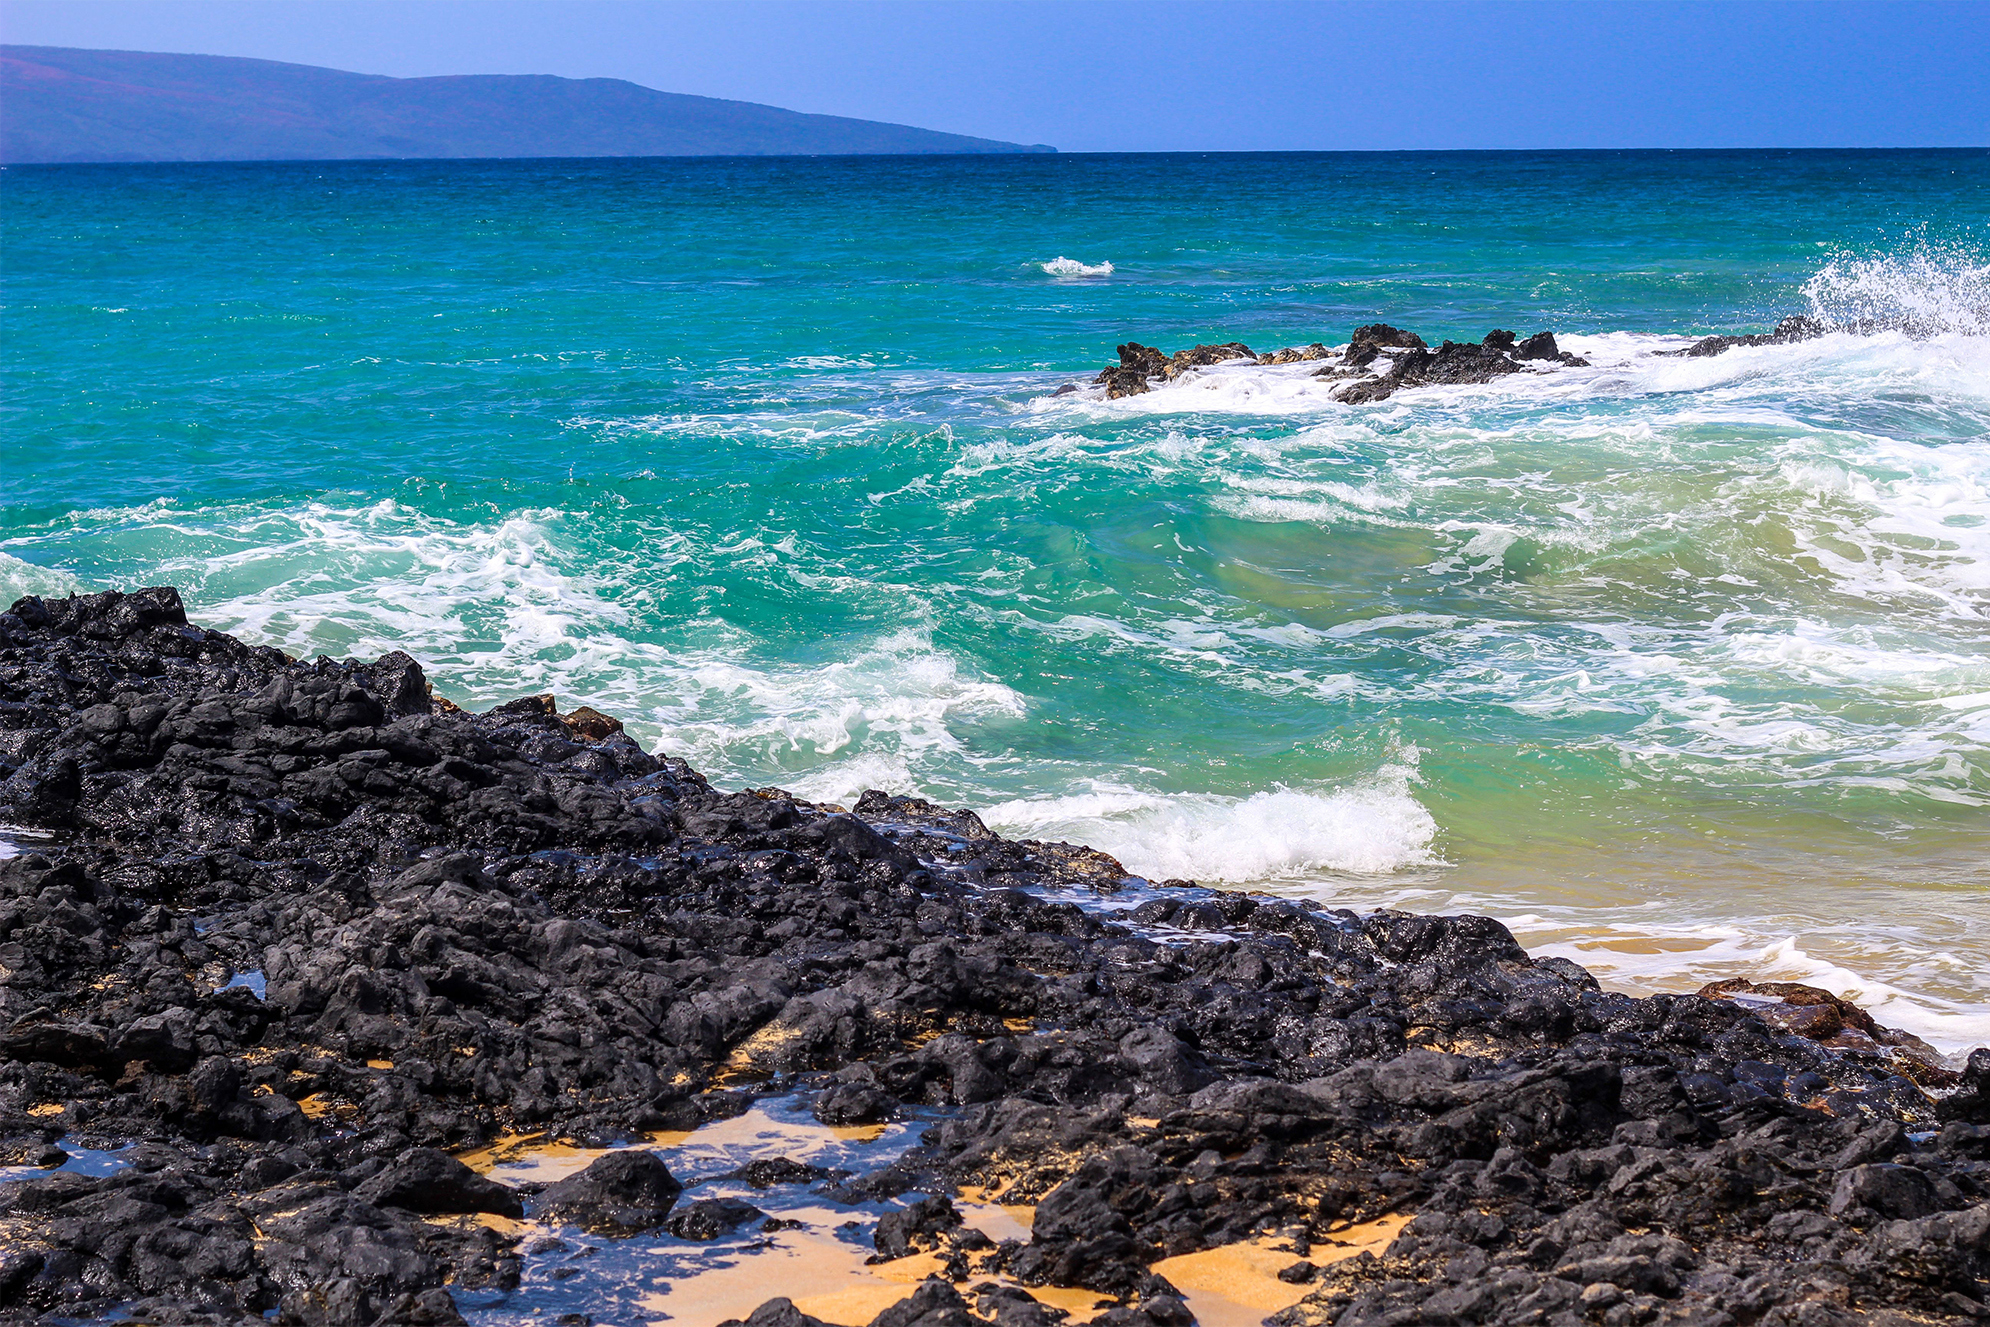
point(1646, 956)
point(506, 607)
point(1070, 267)
point(862, 722)
point(1369, 828)
point(1945, 354)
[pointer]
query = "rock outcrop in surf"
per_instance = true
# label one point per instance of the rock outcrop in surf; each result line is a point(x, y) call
point(1794, 328)
point(1383, 360)
point(300, 932)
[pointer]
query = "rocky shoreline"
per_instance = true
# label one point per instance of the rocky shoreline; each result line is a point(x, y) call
point(300, 934)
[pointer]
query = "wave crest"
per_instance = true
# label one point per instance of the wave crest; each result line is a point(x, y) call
point(1062, 266)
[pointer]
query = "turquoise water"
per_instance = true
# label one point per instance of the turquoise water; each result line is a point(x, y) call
point(1681, 666)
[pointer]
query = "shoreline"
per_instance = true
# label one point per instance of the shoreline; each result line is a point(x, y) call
point(467, 927)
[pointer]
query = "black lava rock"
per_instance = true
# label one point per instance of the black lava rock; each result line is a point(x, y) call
point(621, 1193)
point(709, 1218)
point(917, 1227)
point(473, 927)
point(425, 1180)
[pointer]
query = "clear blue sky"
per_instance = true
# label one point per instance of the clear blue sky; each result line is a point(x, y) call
point(1163, 75)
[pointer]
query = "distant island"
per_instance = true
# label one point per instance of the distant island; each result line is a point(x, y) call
point(60, 104)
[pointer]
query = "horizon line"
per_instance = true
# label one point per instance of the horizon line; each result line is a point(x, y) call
point(1039, 156)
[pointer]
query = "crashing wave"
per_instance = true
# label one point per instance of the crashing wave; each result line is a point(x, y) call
point(1926, 291)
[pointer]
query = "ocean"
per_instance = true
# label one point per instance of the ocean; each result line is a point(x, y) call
point(1679, 666)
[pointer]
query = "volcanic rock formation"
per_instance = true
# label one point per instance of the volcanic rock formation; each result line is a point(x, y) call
point(466, 926)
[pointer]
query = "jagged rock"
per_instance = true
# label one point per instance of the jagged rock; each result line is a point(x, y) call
point(1297, 356)
point(854, 1103)
point(1381, 336)
point(1898, 1192)
point(1200, 356)
point(1452, 363)
point(1818, 1015)
point(590, 724)
point(1415, 366)
point(1137, 364)
point(915, 1228)
point(1970, 1102)
point(933, 1304)
point(766, 1172)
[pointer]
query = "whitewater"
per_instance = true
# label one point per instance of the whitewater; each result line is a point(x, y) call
point(1680, 666)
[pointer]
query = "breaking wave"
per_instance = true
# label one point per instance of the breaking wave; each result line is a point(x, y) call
point(1371, 828)
point(1928, 290)
point(1061, 266)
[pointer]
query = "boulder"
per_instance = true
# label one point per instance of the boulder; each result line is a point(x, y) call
point(776, 1313)
point(622, 1193)
point(1900, 1193)
point(434, 1183)
point(915, 1228)
point(709, 1218)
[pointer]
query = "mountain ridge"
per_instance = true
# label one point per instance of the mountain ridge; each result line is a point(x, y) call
point(72, 105)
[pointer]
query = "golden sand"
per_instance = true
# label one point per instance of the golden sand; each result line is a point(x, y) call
point(998, 1221)
point(1236, 1285)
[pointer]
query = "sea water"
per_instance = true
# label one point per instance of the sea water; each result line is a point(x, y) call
point(1681, 666)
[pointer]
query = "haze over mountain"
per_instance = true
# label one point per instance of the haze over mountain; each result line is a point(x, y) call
point(61, 104)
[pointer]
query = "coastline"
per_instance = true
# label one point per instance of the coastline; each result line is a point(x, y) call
point(1688, 648)
point(306, 930)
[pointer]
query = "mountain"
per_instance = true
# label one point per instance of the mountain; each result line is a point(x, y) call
point(62, 104)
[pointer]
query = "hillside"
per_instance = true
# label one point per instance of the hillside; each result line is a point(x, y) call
point(59, 104)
